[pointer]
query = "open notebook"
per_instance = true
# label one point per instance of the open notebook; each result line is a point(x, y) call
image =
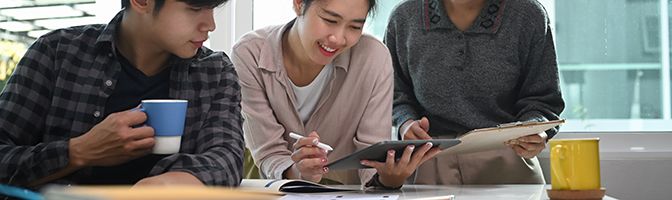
point(289, 186)
point(486, 139)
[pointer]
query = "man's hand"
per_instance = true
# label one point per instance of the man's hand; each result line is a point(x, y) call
point(416, 130)
point(113, 141)
point(528, 146)
point(170, 178)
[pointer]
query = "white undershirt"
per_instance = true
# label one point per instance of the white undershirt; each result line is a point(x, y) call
point(308, 96)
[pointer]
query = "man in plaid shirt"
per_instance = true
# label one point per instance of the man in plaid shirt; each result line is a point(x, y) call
point(66, 114)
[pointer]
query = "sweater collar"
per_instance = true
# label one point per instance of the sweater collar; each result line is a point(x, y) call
point(434, 16)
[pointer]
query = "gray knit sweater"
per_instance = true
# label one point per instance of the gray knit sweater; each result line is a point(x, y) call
point(502, 69)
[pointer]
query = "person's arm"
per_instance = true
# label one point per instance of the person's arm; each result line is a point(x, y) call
point(111, 142)
point(263, 132)
point(377, 118)
point(170, 178)
point(539, 98)
point(375, 127)
point(218, 155)
point(25, 157)
point(24, 104)
point(405, 105)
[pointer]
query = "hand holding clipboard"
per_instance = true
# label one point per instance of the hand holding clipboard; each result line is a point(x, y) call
point(486, 139)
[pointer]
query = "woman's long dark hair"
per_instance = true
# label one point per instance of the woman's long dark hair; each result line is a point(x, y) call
point(372, 6)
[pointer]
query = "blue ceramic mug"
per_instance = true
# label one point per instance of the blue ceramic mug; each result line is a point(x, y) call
point(166, 117)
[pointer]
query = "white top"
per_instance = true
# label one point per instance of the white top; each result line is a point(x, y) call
point(308, 96)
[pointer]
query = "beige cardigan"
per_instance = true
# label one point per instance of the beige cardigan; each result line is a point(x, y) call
point(353, 112)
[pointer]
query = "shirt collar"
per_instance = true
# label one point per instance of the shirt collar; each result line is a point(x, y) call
point(271, 59)
point(110, 31)
point(489, 20)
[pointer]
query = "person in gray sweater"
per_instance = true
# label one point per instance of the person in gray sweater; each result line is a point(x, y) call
point(467, 64)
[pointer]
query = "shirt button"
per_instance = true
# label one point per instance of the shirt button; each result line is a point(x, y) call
point(96, 114)
point(460, 52)
point(108, 83)
point(459, 37)
point(110, 55)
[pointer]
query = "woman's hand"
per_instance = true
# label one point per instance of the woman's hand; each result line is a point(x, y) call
point(393, 173)
point(309, 160)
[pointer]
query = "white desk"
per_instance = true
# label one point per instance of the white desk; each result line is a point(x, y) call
point(424, 192)
point(470, 192)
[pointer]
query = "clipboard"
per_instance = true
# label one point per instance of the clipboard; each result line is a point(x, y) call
point(486, 139)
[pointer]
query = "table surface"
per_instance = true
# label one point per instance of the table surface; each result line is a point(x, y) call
point(468, 192)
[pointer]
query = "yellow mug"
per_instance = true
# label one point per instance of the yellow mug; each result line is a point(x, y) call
point(575, 164)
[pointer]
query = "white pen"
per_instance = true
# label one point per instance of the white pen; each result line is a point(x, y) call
point(319, 144)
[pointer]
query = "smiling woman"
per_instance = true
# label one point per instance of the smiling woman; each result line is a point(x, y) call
point(299, 76)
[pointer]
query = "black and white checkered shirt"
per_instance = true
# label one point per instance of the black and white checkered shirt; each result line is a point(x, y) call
point(59, 91)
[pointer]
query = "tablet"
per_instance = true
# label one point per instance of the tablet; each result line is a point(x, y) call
point(378, 152)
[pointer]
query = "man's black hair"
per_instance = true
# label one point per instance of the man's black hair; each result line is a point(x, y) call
point(195, 3)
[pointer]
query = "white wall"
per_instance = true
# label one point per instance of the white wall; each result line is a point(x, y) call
point(106, 9)
point(282, 12)
point(233, 19)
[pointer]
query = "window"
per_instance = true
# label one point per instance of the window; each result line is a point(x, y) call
point(614, 72)
point(615, 76)
point(22, 21)
point(613, 55)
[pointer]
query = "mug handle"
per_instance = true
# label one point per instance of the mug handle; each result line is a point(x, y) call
point(139, 108)
point(555, 164)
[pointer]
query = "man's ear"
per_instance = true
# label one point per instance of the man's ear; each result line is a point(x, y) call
point(141, 6)
point(298, 7)
point(142, 2)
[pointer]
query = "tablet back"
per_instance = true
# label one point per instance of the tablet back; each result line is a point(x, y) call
point(378, 152)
